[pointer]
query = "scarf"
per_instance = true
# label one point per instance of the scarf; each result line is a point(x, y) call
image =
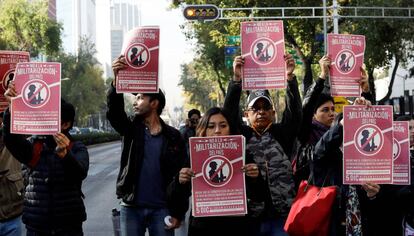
point(318, 130)
point(353, 213)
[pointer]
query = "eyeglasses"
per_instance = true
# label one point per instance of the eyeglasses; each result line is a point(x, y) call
point(256, 109)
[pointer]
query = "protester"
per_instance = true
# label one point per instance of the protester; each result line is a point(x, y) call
point(53, 203)
point(215, 122)
point(270, 144)
point(152, 154)
point(11, 191)
point(356, 211)
point(318, 115)
point(398, 201)
point(189, 131)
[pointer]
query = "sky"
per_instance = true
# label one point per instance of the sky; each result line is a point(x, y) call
point(174, 49)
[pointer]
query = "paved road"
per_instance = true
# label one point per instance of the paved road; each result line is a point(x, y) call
point(99, 188)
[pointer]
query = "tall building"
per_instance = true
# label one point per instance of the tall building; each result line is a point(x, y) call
point(125, 15)
point(78, 19)
point(116, 18)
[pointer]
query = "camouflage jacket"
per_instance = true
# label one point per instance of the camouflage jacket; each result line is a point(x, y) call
point(271, 151)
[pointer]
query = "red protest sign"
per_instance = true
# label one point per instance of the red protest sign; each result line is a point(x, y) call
point(401, 153)
point(367, 144)
point(347, 54)
point(141, 51)
point(8, 61)
point(219, 187)
point(263, 47)
point(36, 109)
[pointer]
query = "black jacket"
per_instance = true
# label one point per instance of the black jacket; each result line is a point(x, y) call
point(53, 197)
point(327, 164)
point(132, 131)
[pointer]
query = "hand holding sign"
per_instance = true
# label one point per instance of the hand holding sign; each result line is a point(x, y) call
point(237, 68)
point(62, 143)
point(290, 66)
point(185, 175)
point(324, 63)
point(10, 92)
point(371, 189)
point(363, 82)
point(117, 65)
point(251, 170)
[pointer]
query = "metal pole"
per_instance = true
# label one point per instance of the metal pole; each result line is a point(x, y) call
point(324, 27)
point(335, 16)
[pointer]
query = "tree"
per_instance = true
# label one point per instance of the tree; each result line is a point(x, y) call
point(84, 86)
point(25, 26)
point(198, 86)
point(385, 38)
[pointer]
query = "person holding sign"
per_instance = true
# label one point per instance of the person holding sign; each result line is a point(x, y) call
point(270, 144)
point(398, 203)
point(53, 200)
point(152, 154)
point(215, 122)
point(318, 116)
point(356, 212)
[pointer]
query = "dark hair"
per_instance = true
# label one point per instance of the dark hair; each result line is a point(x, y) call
point(67, 112)
point(161, 100)
point(203, 124)
point(192, 112)
point(322, 99)
point(404, 118)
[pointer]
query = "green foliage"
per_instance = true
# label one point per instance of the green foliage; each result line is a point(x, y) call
point(198, 86)
point(83, 84)
point(25, 26)
point(385, 38)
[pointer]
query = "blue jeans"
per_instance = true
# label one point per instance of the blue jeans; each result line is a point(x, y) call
point(269, 227)
point(135, 221)
point(11, 227)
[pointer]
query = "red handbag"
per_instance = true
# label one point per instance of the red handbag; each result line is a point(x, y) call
point(310, 213)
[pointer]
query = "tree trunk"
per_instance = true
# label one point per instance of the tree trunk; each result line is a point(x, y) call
point(372, 84)
point(394, 72)
point(220, 83)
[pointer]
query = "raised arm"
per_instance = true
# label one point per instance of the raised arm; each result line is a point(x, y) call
point(311, 97)
point(116, 112)
point(232, 100)
point(292, 116)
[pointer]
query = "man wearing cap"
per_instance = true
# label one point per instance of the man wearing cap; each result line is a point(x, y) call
point(270, 144)
point(152, 154)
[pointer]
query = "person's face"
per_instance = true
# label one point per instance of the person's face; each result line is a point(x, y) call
point(194, 120)
point(217, 126)
point(142, 104)
point(411, 129)
point(325, 114)
point(260, 114)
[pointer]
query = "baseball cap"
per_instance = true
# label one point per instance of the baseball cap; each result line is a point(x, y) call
point(256, 94)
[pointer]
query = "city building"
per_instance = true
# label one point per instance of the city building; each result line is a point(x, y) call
point(119, 16)
point(79, 21)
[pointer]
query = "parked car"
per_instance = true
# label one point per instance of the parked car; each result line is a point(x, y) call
point(75, 130)
point(85, 130)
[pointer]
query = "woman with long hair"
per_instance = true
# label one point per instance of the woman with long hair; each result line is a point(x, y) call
point(215, 123)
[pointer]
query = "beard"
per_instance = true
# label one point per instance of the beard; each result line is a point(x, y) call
point(142, 111)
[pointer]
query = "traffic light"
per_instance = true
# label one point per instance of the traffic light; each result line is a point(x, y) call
point(201, 12)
